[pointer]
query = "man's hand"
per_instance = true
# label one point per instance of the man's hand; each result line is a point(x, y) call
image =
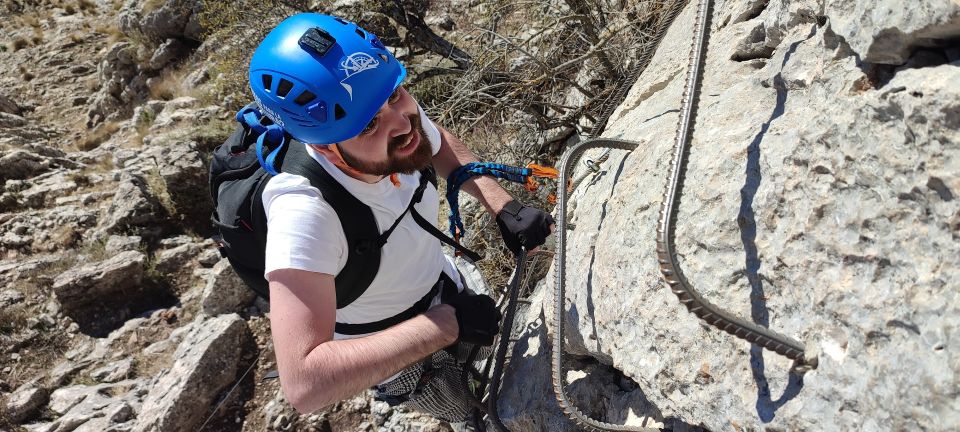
point(523, 226)
point(478, 318)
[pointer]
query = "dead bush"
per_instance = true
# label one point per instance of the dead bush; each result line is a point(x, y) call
point(99, 134)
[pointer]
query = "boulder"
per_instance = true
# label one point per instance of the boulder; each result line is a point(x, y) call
point(8, 120)
point(205, 364)
point(115, 371)
point(121, 243)
point(92, 282)
point(197, 78)
point(121, 83)
point(7, 105)
point(175, 260)
point(169, 51)
point(101, 407)
point(22, 164)
point(185, 174)
point(162, 20)
point(133, 206)
point(25, 401)
point(225, 292)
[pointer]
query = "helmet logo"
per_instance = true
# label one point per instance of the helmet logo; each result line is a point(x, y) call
point(354, 64)
point(267, 111)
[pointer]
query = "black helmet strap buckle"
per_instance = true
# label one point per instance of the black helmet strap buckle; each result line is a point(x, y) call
point(317, 40)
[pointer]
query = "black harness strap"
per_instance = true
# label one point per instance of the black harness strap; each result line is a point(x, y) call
point(430, 228)
point(417, 196)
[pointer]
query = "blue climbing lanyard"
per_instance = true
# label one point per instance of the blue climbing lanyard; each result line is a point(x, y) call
point(268, 136)
point(455, 180)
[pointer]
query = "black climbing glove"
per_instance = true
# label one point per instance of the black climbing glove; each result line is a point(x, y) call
point(477, 317)
point(523, 226)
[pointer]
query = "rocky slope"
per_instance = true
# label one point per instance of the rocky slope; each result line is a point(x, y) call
point(820, 201)
point(117, 312)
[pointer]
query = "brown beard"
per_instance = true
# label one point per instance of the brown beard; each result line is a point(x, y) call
point(421, 158)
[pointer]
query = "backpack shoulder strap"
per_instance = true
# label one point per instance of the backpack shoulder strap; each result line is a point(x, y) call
point(356, 218)
point(430, 173)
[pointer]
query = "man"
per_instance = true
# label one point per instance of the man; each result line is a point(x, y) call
point(335, 87)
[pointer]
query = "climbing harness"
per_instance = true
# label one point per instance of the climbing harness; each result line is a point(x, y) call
point(666, 252)
point(526, 176)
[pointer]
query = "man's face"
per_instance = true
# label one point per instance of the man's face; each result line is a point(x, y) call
point(393, 142)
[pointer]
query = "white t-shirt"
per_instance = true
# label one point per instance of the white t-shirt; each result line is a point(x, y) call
point(304, 233)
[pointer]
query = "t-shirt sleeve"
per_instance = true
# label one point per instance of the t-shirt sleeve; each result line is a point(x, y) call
point(303, 231)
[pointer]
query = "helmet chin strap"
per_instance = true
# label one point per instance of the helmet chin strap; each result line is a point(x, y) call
point(332, 153)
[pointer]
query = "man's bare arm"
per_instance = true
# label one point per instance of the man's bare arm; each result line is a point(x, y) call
point(453, 153)
point(316, 371)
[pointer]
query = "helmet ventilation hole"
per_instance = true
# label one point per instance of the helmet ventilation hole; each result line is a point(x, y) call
point(340, 20)
point(361, 33)
point(338, 112)
point(267, 81)
point(384, 57)
point(284, 87)
point(304, 98)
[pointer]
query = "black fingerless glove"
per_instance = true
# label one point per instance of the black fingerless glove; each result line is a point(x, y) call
point(477, 317)
point(523, 226)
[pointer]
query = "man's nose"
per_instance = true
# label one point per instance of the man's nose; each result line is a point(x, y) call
point(397, 115)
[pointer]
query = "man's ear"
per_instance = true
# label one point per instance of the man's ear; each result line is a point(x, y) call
point(332, 153)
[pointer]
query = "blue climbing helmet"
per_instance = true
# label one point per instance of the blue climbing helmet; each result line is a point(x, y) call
point(322, 78)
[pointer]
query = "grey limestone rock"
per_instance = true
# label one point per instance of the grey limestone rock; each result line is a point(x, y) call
point(88, 283)
point(162, 20)
point(224, 291)
point(185, 174)
point(25, 401)
point(94, 408)
point(9, 106)
point(175, 259)
point(888, 31)
point(22, 164)
point(168, 51)
point(205, 363)
point(120, 243)
point(818, 201)
point(8, 120)
point(133, 206)
point(115, 371)
point(121, 83)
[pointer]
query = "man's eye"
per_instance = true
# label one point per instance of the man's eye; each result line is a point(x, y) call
point(395, 96)
point(370, 126)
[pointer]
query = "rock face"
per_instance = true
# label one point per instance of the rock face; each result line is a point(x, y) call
point(889, 33)
point(820, 201)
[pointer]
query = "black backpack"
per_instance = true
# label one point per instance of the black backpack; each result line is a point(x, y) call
point(237, 180)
